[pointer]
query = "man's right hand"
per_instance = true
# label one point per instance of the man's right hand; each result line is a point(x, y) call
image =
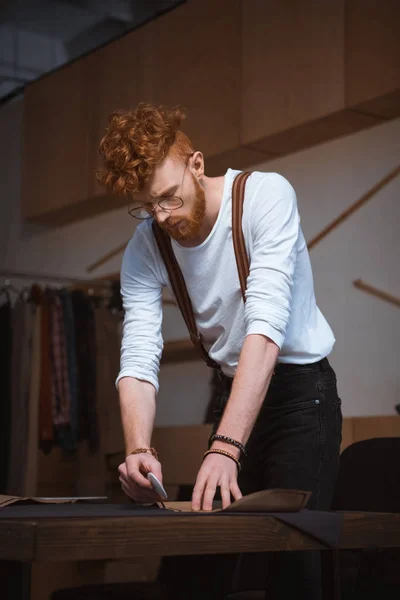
point(133, 477)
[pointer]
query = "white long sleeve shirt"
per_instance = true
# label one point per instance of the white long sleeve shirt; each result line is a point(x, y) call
point(280, 300)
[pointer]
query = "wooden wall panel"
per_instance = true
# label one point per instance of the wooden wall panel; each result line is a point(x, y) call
point(293, 64)
point(365, 428)
point(373, 56)
point(309, 134)
point(258, 80)
point(195, 62)
point(347, 433)
point(181, 468)
point(54, 151)
point(117, 78)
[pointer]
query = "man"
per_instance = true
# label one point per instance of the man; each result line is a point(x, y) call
point(280, 413)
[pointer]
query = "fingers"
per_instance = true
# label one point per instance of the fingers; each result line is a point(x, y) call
point(135, 473)
point(208, 496)
point(235, 491)
point(132, 475)
point(225, 493)
point(213, 474)
point(137, 493)
point(198, 494)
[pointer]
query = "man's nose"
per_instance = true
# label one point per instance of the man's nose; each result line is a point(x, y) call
point(161, 215)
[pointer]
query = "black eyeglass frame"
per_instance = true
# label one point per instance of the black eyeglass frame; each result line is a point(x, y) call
point(159, 203)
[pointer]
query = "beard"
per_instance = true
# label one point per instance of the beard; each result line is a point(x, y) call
point(189, 227)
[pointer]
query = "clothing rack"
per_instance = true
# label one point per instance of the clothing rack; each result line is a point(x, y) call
point(8, 274)
point(93, 287)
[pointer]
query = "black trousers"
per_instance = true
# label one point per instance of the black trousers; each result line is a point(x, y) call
point(295, 444)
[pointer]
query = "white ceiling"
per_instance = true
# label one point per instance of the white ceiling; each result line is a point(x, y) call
point(37, 36)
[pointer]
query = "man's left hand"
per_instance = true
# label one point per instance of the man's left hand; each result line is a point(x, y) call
point(216, 471)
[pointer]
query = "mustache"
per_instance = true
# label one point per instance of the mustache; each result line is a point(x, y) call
point(171, 222)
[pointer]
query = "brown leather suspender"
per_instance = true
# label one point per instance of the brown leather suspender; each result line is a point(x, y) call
point(175, 274)
point(242, 260)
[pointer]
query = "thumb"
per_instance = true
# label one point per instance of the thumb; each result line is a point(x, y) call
point(151, 465)
point(157, 471)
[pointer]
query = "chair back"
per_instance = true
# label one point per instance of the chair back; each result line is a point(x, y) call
point(369, 476)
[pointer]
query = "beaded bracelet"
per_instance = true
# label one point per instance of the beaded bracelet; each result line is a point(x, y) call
point(224, 453)
point(228, 440)
point(144, 450)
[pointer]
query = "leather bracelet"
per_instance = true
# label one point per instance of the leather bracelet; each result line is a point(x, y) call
point(228, 440)
point(143, 451)
point(224, 453)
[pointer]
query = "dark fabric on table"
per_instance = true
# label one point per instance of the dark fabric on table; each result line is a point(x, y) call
point(323, 526)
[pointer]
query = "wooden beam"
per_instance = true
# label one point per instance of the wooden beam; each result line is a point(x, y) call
point(373, 291)
point(106, 257)
point(353, 208)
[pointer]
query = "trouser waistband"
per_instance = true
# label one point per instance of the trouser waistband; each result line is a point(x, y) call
point(280, 368)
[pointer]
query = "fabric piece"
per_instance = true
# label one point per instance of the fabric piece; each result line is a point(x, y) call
point(5, 397)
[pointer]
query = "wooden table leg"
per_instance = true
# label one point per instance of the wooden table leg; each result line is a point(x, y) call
point(330, 575)
point(15, 580)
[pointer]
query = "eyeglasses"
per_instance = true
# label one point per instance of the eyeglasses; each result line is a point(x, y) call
point(167, 203)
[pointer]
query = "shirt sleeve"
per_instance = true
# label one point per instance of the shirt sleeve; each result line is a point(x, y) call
point(274, 230)
point(141, 292)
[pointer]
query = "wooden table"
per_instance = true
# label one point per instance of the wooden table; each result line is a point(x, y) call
point(71, 539)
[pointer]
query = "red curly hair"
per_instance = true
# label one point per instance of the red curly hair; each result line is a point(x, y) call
point(136, 141)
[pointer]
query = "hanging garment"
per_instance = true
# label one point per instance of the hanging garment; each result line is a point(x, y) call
point(31, 471)
point(23, 320)
point(108, 342)
point(68, 437)
point(86, 367)
point(61, 398)
point(45, 399)
point(5, 396)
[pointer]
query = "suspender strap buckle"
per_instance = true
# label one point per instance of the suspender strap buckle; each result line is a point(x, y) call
point(195, 338)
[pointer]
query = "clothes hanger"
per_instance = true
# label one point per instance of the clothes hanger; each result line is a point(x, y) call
point(9, 286)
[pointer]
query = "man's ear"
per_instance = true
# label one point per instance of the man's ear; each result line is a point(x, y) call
point(197, 165)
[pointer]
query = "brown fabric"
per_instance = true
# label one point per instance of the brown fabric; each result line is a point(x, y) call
point(263, 501)
point(175, 274)
point(8, 500)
